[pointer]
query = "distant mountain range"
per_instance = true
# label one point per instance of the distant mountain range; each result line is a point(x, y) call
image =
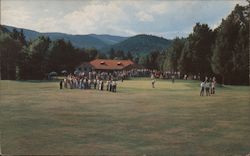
point(138, 44)
point(141, 44)
point(79, 41)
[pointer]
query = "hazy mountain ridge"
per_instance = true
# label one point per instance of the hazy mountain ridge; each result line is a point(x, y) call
point(139, 44)
point(79, 41)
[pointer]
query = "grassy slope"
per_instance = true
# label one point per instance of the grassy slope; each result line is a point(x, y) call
point(37, 118)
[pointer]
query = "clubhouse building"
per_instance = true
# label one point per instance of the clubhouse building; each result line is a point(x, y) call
point(106, 65)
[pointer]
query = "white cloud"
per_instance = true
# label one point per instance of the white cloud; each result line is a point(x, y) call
point(95, 16)
point(17, 17)
point(46, 10)
point(126, 18)
point(48, 23)
point(144, 17)
point(160, 8)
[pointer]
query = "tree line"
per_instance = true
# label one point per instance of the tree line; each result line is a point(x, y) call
point(222, 52)
point(21, 59)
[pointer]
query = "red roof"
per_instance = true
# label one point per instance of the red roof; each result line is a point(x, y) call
point(111, 64)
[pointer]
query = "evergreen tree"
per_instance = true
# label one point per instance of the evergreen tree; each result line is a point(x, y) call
point(111, 53)
point(63, 56)
point(230, 55)
point(92, 53)
point(173, 55)
point(129, 56)
point(197, 51)
point(119, 55)
point(9, 50)
point(101, 56)
point(19, 36)
point(38, 52)
point(144, 61)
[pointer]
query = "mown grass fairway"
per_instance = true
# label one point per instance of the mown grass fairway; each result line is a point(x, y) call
point(171, 119)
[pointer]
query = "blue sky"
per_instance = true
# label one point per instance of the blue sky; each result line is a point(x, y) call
point(167, 18)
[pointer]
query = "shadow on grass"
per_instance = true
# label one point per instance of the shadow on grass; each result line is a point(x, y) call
point(37, 81)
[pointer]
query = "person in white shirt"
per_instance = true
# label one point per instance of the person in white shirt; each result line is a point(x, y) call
point(65, 83)
point(98, 84)
point(95, 83)
point(152, 76)
point(213, 85)
point(80, 83)
point(84, 83)
point(108, 85)
point(111, 85)
point(89, 84)
point(173, 78)
point(202, 88)
point(114, 84)
point(207, 87)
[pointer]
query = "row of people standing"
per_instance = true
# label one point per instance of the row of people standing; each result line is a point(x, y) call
point(74, 82)
point(119, 75)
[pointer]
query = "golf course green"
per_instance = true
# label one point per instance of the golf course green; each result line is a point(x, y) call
point(38, 118)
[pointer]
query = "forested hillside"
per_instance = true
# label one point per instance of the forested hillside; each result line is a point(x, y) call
point(141, 44)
